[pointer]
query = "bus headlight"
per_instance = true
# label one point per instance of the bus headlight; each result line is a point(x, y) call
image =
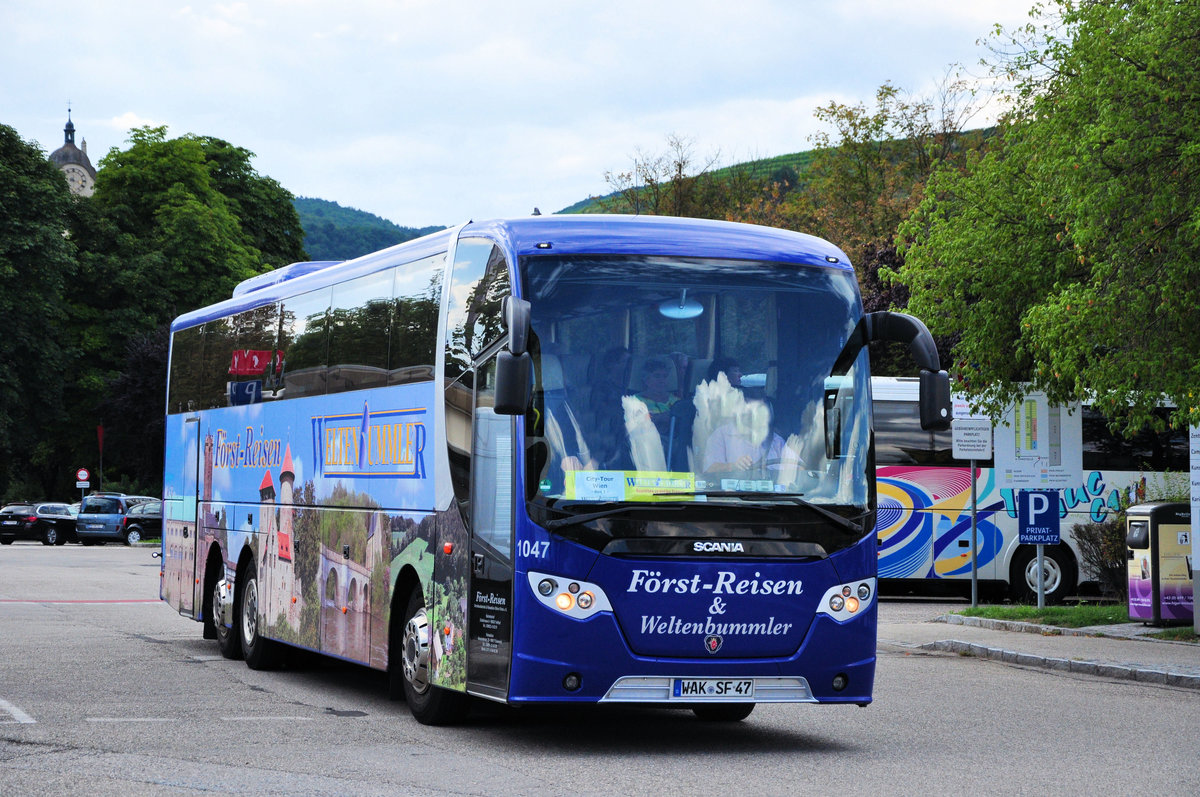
point(841, 604)
point(578, 599)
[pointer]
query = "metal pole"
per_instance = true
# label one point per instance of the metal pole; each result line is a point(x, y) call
point(974, 544)
point(1041, 577)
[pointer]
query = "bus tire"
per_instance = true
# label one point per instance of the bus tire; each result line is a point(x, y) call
point(228, 641)
point(429, 704)
point(259, 652)
point(722, 712)
point(1060, 569)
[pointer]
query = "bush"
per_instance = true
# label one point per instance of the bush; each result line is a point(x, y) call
point(1102, 546)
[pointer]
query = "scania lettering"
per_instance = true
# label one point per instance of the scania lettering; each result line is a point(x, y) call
point(568, 459)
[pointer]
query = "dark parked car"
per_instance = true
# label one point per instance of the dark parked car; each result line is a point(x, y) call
point(17, 522)
point(144, 519)
point(105, 516)
point(55, 523)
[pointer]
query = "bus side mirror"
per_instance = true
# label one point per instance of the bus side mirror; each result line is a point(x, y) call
point(935, 402)
point(516, 320)
point(513, 383)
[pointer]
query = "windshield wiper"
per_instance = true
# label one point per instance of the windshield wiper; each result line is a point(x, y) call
point(764, 500)
point(573, 520)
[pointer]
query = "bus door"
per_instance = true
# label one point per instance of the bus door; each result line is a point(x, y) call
point(179, 524)
point(489, 598)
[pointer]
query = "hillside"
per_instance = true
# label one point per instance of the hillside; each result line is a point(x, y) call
point(332, 232)
point(785, 169)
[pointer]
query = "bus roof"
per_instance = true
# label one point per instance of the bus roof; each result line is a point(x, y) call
point(573, 234)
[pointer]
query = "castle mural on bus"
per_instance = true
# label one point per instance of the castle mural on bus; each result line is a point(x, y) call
point(326, 550)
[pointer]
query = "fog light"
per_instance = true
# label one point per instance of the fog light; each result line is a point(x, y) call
point(585, 600)
point(572, 682)
point(572, 588)
point(564, 601)
point(846, 591)
point(864, 591)
point(840, 681)
point(546, 587)
point(836, 602)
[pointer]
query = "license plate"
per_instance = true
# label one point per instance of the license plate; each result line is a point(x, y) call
point(10, 522)
point(714, 688)
point(95, 525)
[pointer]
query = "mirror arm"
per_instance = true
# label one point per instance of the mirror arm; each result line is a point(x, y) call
point(903, 328)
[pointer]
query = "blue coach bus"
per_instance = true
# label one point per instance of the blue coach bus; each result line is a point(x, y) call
point(554, 459)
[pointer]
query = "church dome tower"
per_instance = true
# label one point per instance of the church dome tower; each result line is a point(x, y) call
point(74, 162)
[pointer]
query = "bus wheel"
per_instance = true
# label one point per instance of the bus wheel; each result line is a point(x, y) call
point(429, 704)
point(260, 653)
point(1059, 567)
point(228, 641)
point(722, 712)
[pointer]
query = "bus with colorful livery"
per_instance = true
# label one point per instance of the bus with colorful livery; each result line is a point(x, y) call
point(588, 459)
point(924, 511)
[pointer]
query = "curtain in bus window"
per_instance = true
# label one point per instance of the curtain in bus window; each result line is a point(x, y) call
point(359, 322)
point(416, 302)
point(478, 286)
point(304, 341)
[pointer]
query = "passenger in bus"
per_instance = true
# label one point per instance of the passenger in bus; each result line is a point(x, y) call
point(656, 375)
point(748, 443)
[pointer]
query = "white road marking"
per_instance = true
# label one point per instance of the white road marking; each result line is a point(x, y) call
point(266, 719)
point(17, 714)
point(130, 719)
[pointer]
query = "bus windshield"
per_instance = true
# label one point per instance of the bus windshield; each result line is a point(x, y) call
point(695, 380)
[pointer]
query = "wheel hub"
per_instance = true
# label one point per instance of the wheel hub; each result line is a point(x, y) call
point(250, 612)
point(1053, 574)
point(415, 652)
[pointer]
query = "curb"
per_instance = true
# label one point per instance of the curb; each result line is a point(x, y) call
point(1128, 672)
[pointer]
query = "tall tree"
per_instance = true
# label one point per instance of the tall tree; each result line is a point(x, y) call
point(35, 261)
point(174, 224)
point(1069, 256)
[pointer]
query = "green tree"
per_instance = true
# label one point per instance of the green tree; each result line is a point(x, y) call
point(36, 260)
point(174, 224)
point(1068, 257)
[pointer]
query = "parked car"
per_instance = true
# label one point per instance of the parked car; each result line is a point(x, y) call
point(55, 523)
point(16, 522)
point(144, 519)
point(105, 516)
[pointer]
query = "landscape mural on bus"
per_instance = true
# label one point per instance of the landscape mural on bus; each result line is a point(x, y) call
point(333, 496)
point(925, 511)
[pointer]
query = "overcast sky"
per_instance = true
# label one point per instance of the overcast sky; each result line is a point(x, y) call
point(439, 112)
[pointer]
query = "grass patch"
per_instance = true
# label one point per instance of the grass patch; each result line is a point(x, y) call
point(1061, 616)
point(1185, 633)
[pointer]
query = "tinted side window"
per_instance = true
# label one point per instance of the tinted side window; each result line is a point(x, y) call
point(187, 349)
point(1104, 449)
point(360, 318)
point(478, 284)
point(900, 440)
point(416, 303)
point(220, 341)
point(254, 366)
point(304, 340)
